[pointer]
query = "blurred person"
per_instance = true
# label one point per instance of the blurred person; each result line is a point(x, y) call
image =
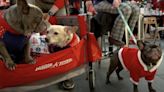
point(130, 11)
point(4, 4)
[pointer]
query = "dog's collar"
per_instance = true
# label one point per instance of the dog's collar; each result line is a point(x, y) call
point(74, 40)
point(145, 66)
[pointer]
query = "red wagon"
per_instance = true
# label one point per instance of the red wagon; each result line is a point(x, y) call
point(55, 67)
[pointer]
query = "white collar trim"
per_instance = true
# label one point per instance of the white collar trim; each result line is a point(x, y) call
point(140, 61)
point(145, 67)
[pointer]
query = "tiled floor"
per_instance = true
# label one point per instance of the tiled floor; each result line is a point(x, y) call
point(116, 86)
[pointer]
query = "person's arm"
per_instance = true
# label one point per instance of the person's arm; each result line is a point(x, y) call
point(89, 7)
point(58, 4)
point(116, 3)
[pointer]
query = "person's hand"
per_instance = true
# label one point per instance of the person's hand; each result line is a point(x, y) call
point(116, 3)
point(133, 2)
point(90, 8)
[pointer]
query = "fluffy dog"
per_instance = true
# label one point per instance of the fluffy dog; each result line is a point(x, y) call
point(60, 37)
point(24, 19)
point(140, 63)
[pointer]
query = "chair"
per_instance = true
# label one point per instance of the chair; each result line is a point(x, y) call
point(148, 21)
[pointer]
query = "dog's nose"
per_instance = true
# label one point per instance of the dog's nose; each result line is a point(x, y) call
point(47, 40)
point(154, 64)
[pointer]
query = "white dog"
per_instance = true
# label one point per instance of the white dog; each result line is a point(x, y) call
point(59, 36)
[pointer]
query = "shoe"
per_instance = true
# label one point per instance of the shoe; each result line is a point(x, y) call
point(68, 84)
point(116, 42)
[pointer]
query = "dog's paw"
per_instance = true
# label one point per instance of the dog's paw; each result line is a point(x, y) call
point(30, 60)
point(108, 81)
point(152, 90)
point(135, 90)
point(10, 65)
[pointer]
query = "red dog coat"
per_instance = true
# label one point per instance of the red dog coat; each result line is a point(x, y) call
point(75, 40)
point(130, 59)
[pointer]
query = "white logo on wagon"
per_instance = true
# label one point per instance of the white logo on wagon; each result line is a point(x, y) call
point(53, 65)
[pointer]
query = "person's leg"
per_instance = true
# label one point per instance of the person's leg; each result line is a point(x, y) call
point(105, 7)
point(134, 16)
point(117, 31)
point(119, 26)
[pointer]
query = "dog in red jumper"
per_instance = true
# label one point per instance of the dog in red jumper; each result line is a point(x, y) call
point(142, 62)
point(23, 20)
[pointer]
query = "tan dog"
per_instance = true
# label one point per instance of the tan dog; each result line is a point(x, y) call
point(24, 19)
point(62, 36)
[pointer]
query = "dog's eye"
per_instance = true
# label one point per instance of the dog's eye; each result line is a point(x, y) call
point(55, 33)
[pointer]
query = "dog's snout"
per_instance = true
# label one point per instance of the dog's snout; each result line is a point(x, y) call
point(47, 40)
point(154, 64)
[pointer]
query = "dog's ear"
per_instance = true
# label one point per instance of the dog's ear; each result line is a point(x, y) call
point(23, 6)
point(68, 29)
point(74, 29)
point(71, 29)
point(140, 44)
